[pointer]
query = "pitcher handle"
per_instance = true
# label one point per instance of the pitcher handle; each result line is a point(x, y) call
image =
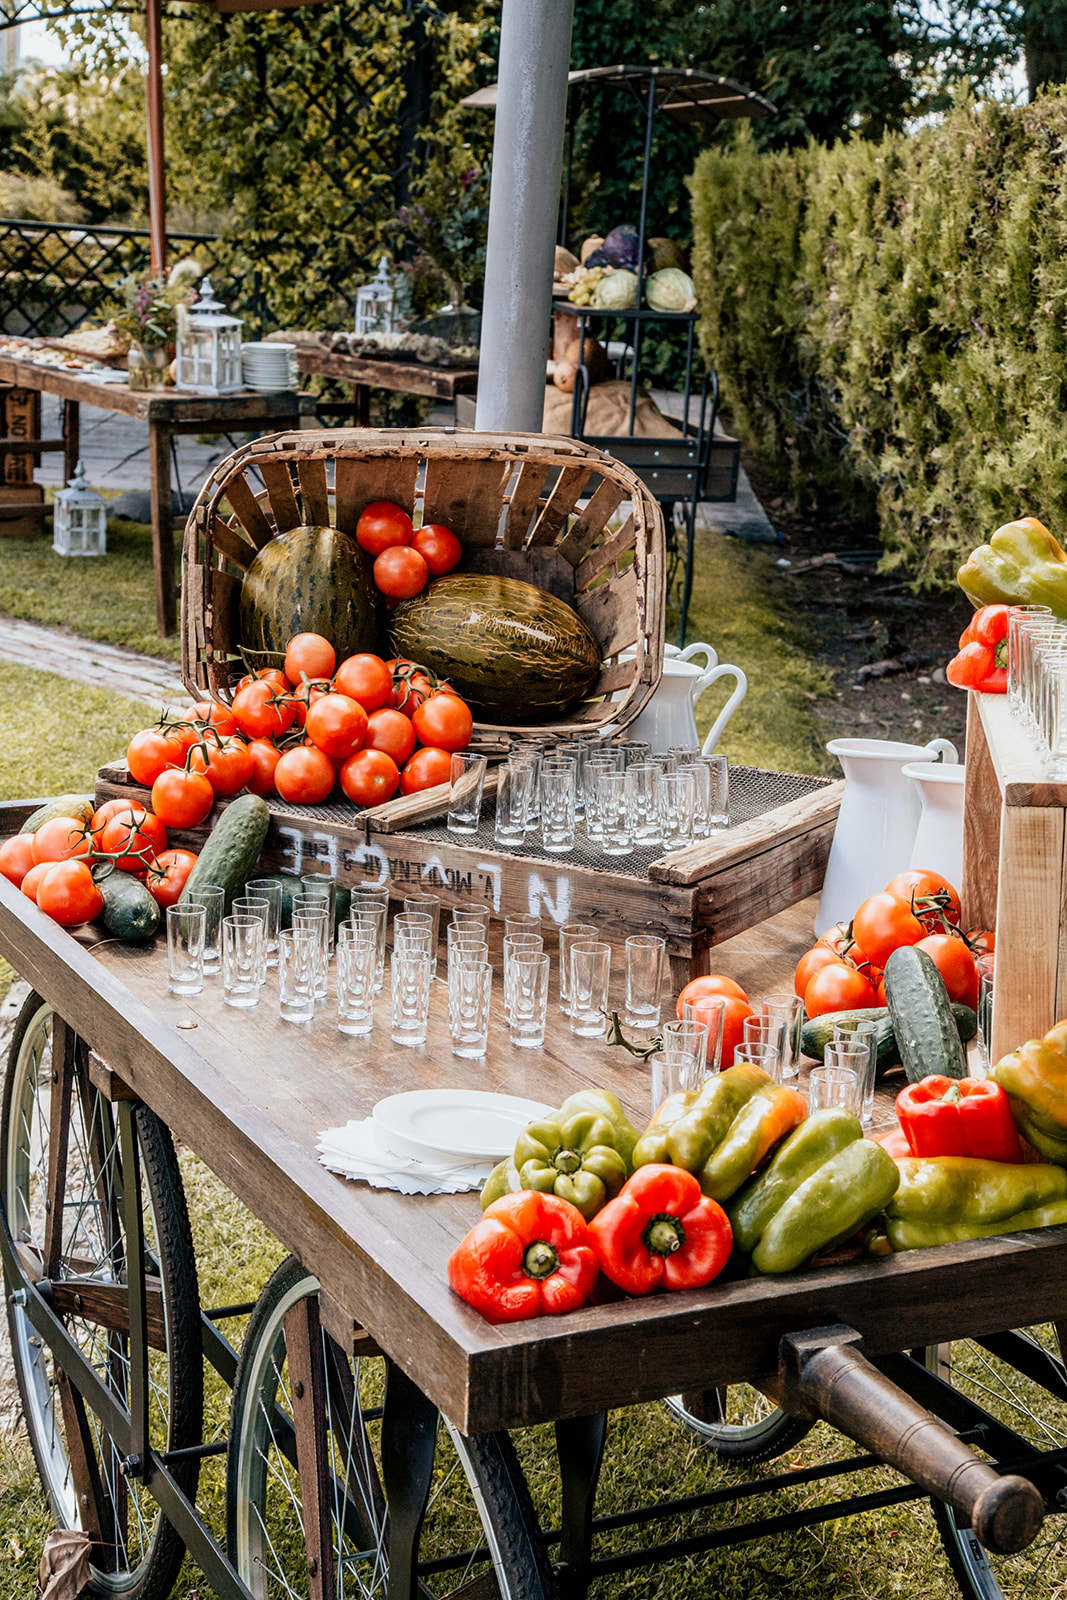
point(946, 749)
point(725, 671)
point(708, 675)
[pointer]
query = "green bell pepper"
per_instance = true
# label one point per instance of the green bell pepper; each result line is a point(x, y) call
point(1021, 565)
point(1034, 1077)
point(574, 1157)
point(807, 1148)
point(942, 1199)
point(828, 1207)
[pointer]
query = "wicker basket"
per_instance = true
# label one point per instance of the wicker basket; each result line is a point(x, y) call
point(511, 499)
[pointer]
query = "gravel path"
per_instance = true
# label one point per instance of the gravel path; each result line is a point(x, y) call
point(10, 1413)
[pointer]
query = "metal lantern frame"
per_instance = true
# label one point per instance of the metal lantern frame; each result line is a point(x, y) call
point(209, 346)
point(375, 303)
point(79, 526)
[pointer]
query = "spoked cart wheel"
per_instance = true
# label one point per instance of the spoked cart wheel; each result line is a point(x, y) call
point(1020, 1379)
point(63, 1178)
point(738, 1422)
point(306, 1505)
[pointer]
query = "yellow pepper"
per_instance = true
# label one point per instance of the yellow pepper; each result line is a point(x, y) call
point(1035, 1080)
point(1021, 565)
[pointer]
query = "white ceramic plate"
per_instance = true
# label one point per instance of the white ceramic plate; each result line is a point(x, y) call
point(456, 1122)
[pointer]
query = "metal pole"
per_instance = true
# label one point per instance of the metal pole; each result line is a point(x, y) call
point(531, 112)
point(157, 193)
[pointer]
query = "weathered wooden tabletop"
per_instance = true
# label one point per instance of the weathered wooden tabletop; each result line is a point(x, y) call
point(250, 1094)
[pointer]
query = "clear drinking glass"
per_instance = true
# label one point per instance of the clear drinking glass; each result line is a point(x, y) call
point(314, 916)
point(470, 917)
point(690, 1037)
point(701, 776)
point(764, 1056)
point(558, 798)
point(428, 905)
point(642, 812)
point(569, 934)
point(1016, 617)
point(213, 901)
point(671, 1074)
point(595, 768)
point(833, 1086)
point(513, 944)
point(357, 965)
point(413, 930)
point(683, 753)
point(634, 751)
point(589, 979)
point(644, 979)
point(185, 948)
point(521, 922)
point(711, 1011)
point(529, 998)
point(676, 796)
point(371, 914)
point(985, 1020)
point(251, 905)
point(856, 1045)
point(470, 988)
point(574, 750)
point(464, 953)
point(719, 798)
point(767, 1034)
point(465, 793)
point(298, 957)
point(317, 886)
point(531, 756)
point(409, 974)
point(270, 890)
point(613, 814)
point(514, 782)
point(786, 1011)
point(242, 953)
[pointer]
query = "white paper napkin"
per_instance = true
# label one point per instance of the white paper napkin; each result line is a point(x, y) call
point(357, 1151)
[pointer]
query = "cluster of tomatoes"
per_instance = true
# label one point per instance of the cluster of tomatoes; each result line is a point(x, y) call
point(372, 726)
point(405, 559)
point(843, 971)
point(54, 866)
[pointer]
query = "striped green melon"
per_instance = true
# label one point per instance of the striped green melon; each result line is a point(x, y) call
point(309, 580)
point(515, 653)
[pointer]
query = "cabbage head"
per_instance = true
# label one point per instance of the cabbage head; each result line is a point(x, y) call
point(670, 290)
point(616, 291)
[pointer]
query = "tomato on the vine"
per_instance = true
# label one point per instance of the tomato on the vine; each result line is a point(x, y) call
point(227, 766)
point(370, 777)
point(383, 526)
point(273, 675)
point(425, 770)
point(150, 752)
point(444, 720)
point(265, 757)
point(956, 964)
point(306, 695)
point(918, 884)
point(365, 678)
point(400, 573)
point(710, 987)
point(182, 799)
point(135, 841)
point(337, 724)
point(60, 838)
point(883, 923)
point(166, 876)
point(304, 775)
point(16, 857)
point(813, 960)
point(262, 712)
point(309, 655)
point(410, 685)
point(209, 714)
point(838, 987)
point(438, 547)
point(392, 732)
point(68, 894)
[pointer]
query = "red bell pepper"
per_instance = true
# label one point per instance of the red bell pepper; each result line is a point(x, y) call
point(982, 662)
point(660, 1231)
point(530, 1255)
point(958, 1117)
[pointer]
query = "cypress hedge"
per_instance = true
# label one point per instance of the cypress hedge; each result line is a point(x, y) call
point(889, 320)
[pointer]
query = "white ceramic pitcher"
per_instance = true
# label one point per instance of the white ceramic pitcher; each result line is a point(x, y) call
point(938, 841)
point(877, 823)
point(670, 716)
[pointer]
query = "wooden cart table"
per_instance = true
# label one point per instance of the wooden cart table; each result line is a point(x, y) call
point(249, 1094)
point(167, 412)
point(401, 377)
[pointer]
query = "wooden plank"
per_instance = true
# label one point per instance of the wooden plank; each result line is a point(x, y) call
point(249, 513)
point(403, 377)
point(313, 491)
point(408, 810)
point(225, 537)
point(278, 482)
point(566, 492)
point(747, 893)
point(107, 1305)
point(605, 554)
point(359, 480)
point(466, 494)
point(611, 614)
point(307, 1382)
point(592, 520)
point(736, 845)
point(981, 826)
point(162, 529)
point(523, 503)
point(1019, 769)
point(1029, 902)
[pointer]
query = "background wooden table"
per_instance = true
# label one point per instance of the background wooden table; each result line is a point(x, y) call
point(365, 374)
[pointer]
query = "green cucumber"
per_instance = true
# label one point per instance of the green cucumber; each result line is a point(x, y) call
point(130, 912)
point(923, 1022)
point(229, 857)
point(818, 1032)
point(80, 806)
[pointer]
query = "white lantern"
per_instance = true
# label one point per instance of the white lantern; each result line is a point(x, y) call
point(374, 302)
point(209, 346)
point(79, 527)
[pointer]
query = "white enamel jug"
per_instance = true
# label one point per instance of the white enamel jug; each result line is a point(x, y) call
point(670, 716)
point(939, 837)
point(877, 823)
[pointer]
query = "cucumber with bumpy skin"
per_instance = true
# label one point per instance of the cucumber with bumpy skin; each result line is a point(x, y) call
point(818, 1032)
point(229, 857)
point(922, 1017)
point(130, 912)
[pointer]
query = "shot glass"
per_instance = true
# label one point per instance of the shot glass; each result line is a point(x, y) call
point(185, 948)
point(764, 1056)
point(314, 916)
point(719, 797)
point(559, 781)
point(671, 1072)
point(242, 954)
point(633, 752)
point(414, 932)
point(531, 756)
point(470, 917)
point(571, 933)
point(985, 1020)
point(854, 1045)
point(470, 988)
point(298, 955)
point(589, 980)
point(529, 998)
point(691, 1038)
point(467, 780)
point(464, 953)
point(644, 979)
point(251, 905)
point(317, 886)
point(785, 1010)
point(513, 785)
point(833, 1086)
point(683, 753)
point(270, 890)
point(409, 973)
point(766, 1034)
point(357, 964)
point(642, 812)
point(675, 796)
point(595, 768)
point(423, 903)
point(514, 944)
point(701, 776)
point(521, 922)
point(213, 901)
point(613, 814)
point(371, 914)
point(711, 1011)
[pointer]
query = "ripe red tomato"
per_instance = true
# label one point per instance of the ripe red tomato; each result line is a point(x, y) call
point(383, 526)
point(273, 675)
point(438, 547)
point(228, 766)
point(370, 777)
point(135, 842)
point(304, 775)
point(365, 678)
point(309, 655)
point(444, 720)
point(411, 686)
point(265, 757)
point(711, 987)
point(337, 724)
point(956, 965)
point(61, 838)
point(116, 808)
point(400, 573)
point(68, 894)
point(390, 731)
point(920, 884)
point(16, 857)
point(306, 695)
point(212, 715)
point(425, 770)
point(819, 956)
point(838, 987)
point(150, 752)
point(263, 713)
point(33, 879)
point(733, 1022)
point(182, 799)
point(167, 874)
point(884, 923)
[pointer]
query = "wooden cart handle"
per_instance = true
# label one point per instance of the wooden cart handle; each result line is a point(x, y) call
point(824, 1374)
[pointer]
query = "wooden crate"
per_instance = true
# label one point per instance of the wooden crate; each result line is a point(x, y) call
point(773, 855)
point(1015, 871)
point(513, 501)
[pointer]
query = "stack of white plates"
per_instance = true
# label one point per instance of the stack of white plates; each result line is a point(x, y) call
point(268, 368)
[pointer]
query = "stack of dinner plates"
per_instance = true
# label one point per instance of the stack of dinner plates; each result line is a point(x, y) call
point(268, 368)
